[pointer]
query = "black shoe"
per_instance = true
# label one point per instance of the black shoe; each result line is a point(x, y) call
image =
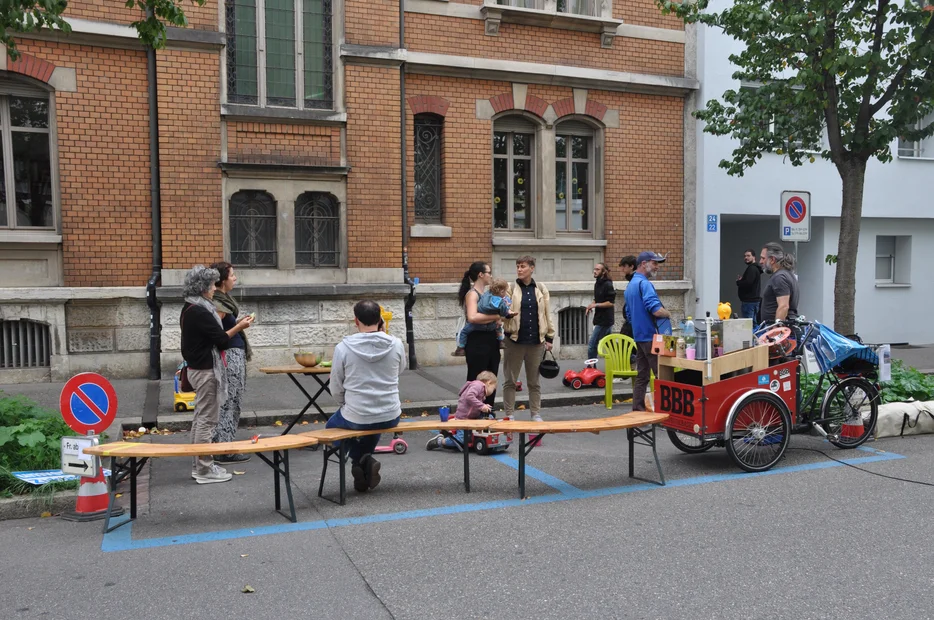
point(231, 459)
point(359, 478)
point(371, 468)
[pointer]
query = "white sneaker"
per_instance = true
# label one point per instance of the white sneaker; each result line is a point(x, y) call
point(216, 474)
point(537, 418)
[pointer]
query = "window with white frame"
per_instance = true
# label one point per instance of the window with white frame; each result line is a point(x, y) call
point(523, 4)
point(279, 53)
point(26, 197)
point(573, 177)
point(513, 163)
point(893, 259)
point(918, 148)
point(579, 7)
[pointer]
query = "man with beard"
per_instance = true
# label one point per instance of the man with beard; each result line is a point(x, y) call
point(748, 285)
point(648, 317)
point(604, 298)
point(780, 299)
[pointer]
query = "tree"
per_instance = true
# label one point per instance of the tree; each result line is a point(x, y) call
point(21, 16)
point(860, 70)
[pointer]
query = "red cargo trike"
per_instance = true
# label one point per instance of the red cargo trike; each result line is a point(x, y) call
point(750, 401)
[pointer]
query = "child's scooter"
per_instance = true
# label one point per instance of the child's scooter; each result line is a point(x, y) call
point(397, 445)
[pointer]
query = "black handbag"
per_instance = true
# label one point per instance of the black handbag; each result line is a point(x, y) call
point(549, 367)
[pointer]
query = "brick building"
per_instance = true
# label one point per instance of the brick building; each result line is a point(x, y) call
point(556, 128)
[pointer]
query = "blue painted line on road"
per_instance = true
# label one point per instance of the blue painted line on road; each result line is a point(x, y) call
point(122, 538)
point(555, 483)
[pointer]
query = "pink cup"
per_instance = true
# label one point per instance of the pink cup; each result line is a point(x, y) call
point(690, 353)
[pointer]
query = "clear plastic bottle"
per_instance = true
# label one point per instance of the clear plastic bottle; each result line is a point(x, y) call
point(689, 333)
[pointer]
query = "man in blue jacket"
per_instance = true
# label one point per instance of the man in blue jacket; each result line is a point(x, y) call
point(648, 317)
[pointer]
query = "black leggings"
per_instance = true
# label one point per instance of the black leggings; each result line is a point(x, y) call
point(482, 352)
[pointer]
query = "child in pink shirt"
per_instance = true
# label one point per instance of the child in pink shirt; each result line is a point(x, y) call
point(470, 405)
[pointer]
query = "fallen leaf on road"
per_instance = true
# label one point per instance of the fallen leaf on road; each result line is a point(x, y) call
point(424, 414)
point(406, 401)
point(119, 495)
point(238, 473)
point(46, 514)
point(243, 555)
point(304, 422)
point(248, 590)
point(521, 407)
point(30, 528)
point(617, 401)
point(278, 422)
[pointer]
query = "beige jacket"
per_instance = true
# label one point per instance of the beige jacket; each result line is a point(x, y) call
point(546, 328)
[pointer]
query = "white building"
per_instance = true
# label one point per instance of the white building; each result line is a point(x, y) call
point(896, 247)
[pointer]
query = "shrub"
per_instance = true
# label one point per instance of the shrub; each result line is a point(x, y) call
point(906, 384)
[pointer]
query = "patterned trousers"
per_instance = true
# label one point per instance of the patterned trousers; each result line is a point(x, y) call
point(226, 429)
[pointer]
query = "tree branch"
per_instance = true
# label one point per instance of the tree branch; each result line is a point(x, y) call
point(927, 35)
point(869, 86)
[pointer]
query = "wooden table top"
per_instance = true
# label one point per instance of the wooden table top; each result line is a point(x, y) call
point(296, 369)
point(592, 425)
point(146, 450)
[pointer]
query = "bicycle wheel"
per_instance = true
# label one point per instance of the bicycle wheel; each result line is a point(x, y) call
point(689, 444)
point(757, 436)
point(849, 410)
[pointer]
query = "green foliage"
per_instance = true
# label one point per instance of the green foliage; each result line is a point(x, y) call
point(906, 384)
point(831, 259)
point(860, 70)
point(19, 16)
point(30, 439)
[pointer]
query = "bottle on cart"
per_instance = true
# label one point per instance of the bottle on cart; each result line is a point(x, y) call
point(681, 347)
point(689, 332)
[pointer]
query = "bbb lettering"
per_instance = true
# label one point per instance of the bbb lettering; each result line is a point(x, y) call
point(676, 401)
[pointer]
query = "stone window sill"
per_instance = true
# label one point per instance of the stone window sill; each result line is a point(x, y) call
point(32, 237)
point(435, 231)
point(240, 112)
point(566, 243)
point(892, 285)
point(493, 14)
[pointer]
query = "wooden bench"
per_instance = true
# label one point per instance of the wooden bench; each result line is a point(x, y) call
point(334, 446)
point(629, 421)
point(128, 459)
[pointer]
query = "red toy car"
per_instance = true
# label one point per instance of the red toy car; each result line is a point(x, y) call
point(588, 376)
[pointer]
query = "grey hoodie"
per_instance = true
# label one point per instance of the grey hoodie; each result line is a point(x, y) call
point(365, 377)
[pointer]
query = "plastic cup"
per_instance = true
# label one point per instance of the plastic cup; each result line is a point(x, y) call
point(690, 353)
point(444, 413)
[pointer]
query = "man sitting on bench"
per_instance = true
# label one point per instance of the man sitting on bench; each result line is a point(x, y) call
point(365, 383)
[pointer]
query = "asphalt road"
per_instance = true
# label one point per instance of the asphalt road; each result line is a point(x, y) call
point(812, 539)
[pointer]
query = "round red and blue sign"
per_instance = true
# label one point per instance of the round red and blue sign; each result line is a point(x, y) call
point(795, 209)
point(88, 403)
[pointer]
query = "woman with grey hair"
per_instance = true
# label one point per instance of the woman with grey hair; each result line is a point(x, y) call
point(203, 341)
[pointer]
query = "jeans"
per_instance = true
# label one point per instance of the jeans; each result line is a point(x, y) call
point(361, 446)
point(750, 309)
point(207, 412)
point(599, 333)
point(646, 364)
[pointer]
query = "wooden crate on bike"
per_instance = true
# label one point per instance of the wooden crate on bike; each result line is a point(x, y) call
point(749, 360)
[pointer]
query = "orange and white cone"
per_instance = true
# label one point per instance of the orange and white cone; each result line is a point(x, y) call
point(852, 426)
point(92, 500)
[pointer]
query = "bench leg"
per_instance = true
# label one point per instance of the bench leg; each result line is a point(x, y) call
point(644, 437)
point(326, 453)
point(341, 452)
point(287, 474)
point(467, 436)
point(280, 470)
point(343, 474)
point(521, 465)
point(275, 478)
point(119, 471)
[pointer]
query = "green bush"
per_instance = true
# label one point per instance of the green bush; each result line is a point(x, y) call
point(906, 384)
point(30, 439)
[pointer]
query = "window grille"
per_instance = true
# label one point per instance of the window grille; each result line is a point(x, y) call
point(428, 171)
point(317, 230)
point(253, 229)
point(572, 326)
point(24, 344)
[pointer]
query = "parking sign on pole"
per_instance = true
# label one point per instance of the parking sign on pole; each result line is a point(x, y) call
point(795, 216)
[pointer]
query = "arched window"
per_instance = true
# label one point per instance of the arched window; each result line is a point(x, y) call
point(573, 176)
point(317, 230)
point(429, 134)
point(253, 229)
point(513, 162)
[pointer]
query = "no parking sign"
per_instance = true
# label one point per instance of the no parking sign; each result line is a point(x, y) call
point(796, 216)
point(88, 403)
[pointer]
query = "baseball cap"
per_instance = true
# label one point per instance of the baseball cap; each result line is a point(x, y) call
point(644, 256)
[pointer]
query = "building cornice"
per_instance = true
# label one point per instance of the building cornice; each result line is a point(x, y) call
point(108, 34)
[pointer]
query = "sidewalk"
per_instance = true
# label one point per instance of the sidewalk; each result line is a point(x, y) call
point(271, 398)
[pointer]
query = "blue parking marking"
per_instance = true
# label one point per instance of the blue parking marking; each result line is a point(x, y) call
point(121, 539)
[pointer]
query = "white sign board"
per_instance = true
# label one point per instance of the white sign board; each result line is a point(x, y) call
point(795, 216)
point(45, 476)
point(74, 460)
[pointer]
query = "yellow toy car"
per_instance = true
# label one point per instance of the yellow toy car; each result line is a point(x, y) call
point(184, 401)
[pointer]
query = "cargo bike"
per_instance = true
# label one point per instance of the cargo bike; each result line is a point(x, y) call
point(750, 401)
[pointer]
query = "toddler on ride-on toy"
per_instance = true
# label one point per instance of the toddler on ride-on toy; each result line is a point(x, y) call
point(470, 406)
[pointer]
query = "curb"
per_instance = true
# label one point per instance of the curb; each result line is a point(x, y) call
point(249, 419)
point(29, 506)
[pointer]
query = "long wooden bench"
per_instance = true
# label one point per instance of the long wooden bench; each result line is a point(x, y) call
point(128, 459)
point(332, 439)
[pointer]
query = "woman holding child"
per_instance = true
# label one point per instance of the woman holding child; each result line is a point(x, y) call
point(481, 347)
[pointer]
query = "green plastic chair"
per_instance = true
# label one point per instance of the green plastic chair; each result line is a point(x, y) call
point(617, 351)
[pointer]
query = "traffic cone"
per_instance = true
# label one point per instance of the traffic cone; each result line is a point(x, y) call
point(852, 426)
point(92, 500)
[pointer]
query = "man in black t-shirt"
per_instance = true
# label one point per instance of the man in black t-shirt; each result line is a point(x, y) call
point(780, 299)
point(604, 298)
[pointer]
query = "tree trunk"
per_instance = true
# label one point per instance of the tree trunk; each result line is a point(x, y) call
point(853, 173)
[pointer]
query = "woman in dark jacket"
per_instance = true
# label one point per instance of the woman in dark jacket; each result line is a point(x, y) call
point(203, 340)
